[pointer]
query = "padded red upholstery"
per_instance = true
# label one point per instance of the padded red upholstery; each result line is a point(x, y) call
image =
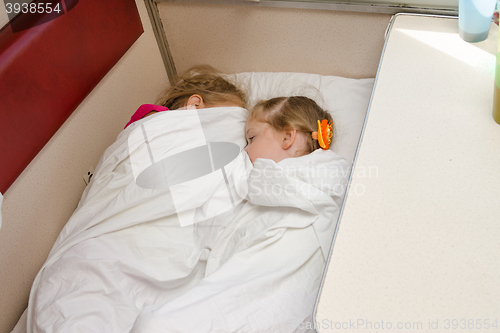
point(46, 72)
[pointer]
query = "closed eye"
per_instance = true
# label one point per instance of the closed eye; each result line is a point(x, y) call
point(249, 140)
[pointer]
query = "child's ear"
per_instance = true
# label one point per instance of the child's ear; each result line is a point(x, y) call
point(288, 138)
point(195, 102)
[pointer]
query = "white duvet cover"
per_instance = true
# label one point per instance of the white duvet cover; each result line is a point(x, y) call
point(124, 263)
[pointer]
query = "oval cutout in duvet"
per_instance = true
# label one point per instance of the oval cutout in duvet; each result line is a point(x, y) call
point(188, 165)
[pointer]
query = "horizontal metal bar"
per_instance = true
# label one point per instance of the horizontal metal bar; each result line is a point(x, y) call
point(323, 5)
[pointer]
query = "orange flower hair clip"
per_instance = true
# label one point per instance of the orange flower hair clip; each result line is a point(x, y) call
point(324, 134)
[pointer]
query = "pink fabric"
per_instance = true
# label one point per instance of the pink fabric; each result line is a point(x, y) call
point(143, 110)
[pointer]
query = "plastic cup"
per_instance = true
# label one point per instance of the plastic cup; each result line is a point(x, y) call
point(496, 93)
point(474, 19)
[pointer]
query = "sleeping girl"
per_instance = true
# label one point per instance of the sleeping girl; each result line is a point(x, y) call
point(284, 127)
point(264, 258)
point(126, 262)
point(200, 87)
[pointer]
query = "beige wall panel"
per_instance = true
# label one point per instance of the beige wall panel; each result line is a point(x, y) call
point(236, 38)
point(4, 18)
point(41, 200)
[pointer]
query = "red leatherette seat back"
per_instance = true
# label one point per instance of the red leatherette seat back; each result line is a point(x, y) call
point(46, 71)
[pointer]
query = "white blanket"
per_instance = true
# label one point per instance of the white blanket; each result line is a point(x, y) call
point(123, 263)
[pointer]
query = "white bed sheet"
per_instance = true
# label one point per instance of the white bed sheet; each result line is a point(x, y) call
point(124, 265)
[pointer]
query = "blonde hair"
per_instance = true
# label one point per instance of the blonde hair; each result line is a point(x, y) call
point(297, 112)
point(205, 81)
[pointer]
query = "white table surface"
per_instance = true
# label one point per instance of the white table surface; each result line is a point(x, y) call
point(419, 241)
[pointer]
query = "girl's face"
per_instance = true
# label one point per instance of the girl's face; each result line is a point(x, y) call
point(263, 142)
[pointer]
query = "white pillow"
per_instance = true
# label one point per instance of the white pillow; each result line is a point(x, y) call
point(346, 99)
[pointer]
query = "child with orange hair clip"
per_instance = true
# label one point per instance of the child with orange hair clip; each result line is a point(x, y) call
point(285, 127)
